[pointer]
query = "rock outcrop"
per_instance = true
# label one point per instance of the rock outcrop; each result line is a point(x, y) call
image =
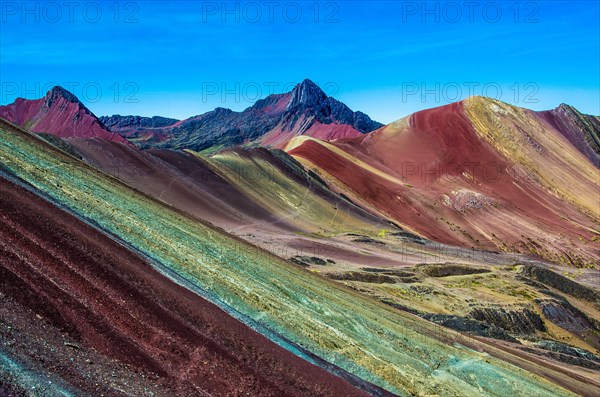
point(561, 283)
point(516, 320)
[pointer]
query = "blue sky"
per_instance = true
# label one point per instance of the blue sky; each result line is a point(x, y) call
point(387, 59)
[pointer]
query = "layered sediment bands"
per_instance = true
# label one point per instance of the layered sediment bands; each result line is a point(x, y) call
point(176, 178)
point(515, 320)
point(281, 185)
point(545, 156)
point(478, 173)
point(94, 299)
point(397, 351)
point(241, 189)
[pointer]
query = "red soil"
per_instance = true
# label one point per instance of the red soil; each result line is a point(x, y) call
point(440, 152)
point(111, 300)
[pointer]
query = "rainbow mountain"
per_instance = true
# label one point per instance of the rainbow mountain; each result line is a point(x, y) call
point(311, 251)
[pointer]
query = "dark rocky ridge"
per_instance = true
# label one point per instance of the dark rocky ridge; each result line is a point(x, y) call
point(366, 277)
point(561, 283)
point(222, 128)
point(567, 354)
point(516, 321)
point(309, 99)
point(306, 261)
point(117, 122)
point(582, 130)
point(469, 325)
point(57, 92)
point(562, 313)
point(449, 269)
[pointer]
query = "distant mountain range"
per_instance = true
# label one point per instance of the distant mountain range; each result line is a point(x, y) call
point(273, 121)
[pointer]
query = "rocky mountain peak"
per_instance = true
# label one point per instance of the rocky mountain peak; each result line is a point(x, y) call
point(58, 92)
point(307, 93)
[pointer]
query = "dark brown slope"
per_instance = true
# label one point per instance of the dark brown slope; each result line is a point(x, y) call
point(177, 178)
point(89, 297)
point(208, 190)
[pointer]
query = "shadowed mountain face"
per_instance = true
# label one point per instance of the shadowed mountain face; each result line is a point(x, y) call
point(582, 130)
point(59, 113)
point(272, 121)
point(124, 123)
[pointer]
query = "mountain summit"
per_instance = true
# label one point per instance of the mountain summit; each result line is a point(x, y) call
point(307, 93)
point(58, 93)
point(310, 100)
point(58, 113)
